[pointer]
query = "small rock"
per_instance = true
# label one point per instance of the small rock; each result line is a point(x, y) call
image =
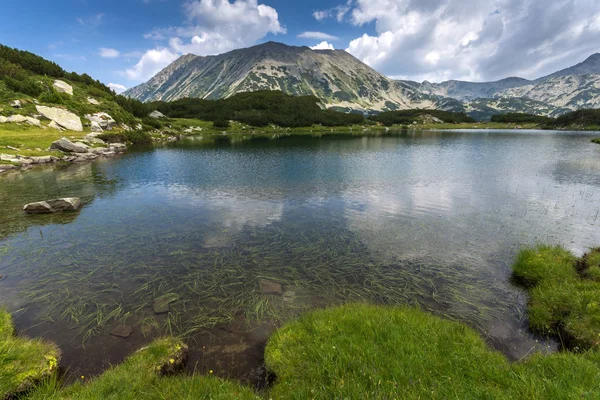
point(117, 147)
point(122, 331)
point(138, 127)
point(93, 101)
point(103, 119)
point(41, 160)
point(66, 145)
point(63, 87)
point(16, 119)
point(157, 114)
point(7, 167)
point(96, 127)
point(161, 306)
point(3, 119)
point(126, 127)
point(270, 287)
point(33, 121)
point(15, 104)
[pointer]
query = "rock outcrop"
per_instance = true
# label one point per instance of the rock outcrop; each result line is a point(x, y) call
point(96, 127)
point(52, 206)
point(93, 102)
point(15, 104)
point(157, 114)
point(16, 119)
point(67, 146)
point(63, 118)
point(63, 87)
point(105, 121)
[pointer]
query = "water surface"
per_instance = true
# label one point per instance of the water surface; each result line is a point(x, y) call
point(431, 219)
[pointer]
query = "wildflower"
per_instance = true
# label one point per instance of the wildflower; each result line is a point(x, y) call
point(82, 377)
point(172, 361)
point(210, 372)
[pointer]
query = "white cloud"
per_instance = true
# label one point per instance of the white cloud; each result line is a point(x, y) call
point(338, 12)
point(94, 20)
point(150, 64)
point(117, 87)
point(212, 27)
point(108, 53)
point(472, 39)
point(317, 35)
point(323, 46)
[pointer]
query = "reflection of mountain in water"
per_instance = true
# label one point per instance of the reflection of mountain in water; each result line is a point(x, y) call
point(85, 181)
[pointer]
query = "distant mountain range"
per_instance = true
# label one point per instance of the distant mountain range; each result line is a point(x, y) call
point(343, 82)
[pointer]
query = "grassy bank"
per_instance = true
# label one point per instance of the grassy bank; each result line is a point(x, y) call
point(597, 141)
point(353, 351)
point(564, 294)
point(23, 362)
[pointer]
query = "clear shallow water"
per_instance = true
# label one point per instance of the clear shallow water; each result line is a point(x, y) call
point(432, 218)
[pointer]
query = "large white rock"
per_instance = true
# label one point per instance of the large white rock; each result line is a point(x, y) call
point(93, 102)
point(105, 121)
point(63, 87)
point(33, 121)
point(96, 127)
point(15, 104)
point(64, 118)
point(157, 114)
point(3, 119)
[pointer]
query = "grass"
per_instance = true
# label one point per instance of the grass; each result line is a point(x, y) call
point(597, 141)
point(362, 351)
point(28, 139)
point(23, 362)
point(564, 294)
point(148, 374)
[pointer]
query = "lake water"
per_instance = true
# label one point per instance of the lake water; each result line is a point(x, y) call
point(433, 219)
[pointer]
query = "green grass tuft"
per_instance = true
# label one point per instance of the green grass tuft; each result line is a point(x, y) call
point(23, 362)
point(543, 262)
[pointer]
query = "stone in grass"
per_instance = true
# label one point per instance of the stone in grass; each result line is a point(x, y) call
point(122, 331)
point(270, 287)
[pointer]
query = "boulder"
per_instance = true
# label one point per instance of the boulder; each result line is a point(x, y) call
point(63, 87)
point(93, 102)
point(15, 104)
point(54, 125)
point(122, 331)
point(64, 118)
point(52, 206)
point(104, 120)
point(3, 119)
point(157, 114)
point(66, 145)
point(33, 121)
point(16, 119)
point(270, 287)
point(93, 138)
point(117, 147)
point(41, 160)
point(96, 127)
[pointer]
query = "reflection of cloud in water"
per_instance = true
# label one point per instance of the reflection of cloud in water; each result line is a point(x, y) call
point(228, 212)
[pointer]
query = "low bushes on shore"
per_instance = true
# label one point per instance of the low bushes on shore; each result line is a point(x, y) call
point(564, 294)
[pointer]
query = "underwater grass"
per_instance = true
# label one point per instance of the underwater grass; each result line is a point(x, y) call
point(365, 351)
point(565, 296)
point(23, 362)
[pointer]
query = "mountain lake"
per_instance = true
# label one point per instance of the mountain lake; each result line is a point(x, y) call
point(222, 242)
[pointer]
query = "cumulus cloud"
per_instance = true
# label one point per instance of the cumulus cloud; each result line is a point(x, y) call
point(471, 39)
point(317, 35)
point(108, 53)
point(117, 87)
point(150, 64)
point(323, 46)
point(212, 27)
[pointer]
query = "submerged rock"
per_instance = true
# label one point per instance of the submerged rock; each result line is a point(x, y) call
point(52, 206)
point(161, 306)
point(63, 87)
point(270, 287)
point(66, 145)
point(122, 331)
point(64, 118)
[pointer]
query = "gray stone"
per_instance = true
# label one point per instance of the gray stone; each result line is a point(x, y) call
point(54, 125)
point(63, 87)
point(104, 120)
point(7, 167)
point(270, 287)
point(117, 147)
point(93, 101)
point(161, 306)
point(52, 206)
point(16, 119)
point(66, 145)
point(3, 119)
point(33, 121)
point(64, 118)
point(157, 114)
point(138, 127)
point(122, 331)
point(41, 160)
point(15, 104)
point(96, 127)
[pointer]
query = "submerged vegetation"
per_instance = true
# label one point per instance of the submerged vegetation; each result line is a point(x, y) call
point(565, 294)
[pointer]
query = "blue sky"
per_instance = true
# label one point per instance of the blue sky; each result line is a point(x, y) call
point(126, 42)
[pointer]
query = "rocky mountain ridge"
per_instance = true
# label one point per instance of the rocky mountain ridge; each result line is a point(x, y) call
point(343, 82)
